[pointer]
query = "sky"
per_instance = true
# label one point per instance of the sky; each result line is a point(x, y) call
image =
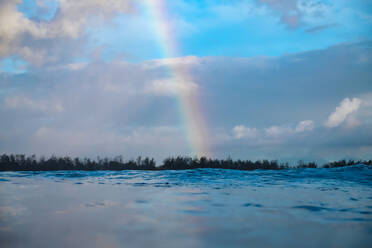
point(249, 79)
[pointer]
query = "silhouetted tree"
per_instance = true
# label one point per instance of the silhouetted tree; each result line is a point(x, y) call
point(20, 162)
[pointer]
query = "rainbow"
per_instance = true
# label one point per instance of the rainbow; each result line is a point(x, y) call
point(188, 100)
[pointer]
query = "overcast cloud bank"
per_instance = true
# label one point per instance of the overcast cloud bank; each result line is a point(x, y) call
point(257, 107)
point(74, 81)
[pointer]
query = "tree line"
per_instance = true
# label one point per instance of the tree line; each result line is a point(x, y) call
point(20, 162)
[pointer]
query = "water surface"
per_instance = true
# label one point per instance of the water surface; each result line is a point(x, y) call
point(190, 208)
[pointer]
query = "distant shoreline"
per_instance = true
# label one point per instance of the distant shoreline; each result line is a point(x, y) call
point(19, 162)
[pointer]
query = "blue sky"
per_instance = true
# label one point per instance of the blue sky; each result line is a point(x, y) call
point(286, 79)
point(237, 28)
point(222, 28)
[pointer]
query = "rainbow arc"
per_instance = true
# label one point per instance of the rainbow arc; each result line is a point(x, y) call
point(189, 101)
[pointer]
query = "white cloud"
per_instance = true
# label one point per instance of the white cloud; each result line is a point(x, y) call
point(171, 87)
point(271, 133)
point(276, 131)
point(23, 102)
point(303, 126)
point(158, 142)
point(105, 103)
point(179, 62)
point(76, 66)
point(70, 66)
point(242, 131)
point(288, 9)
point(72, 18)
point(294, 13)
point(344, 111)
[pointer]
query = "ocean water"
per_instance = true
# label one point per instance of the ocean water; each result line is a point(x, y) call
point(190, 208)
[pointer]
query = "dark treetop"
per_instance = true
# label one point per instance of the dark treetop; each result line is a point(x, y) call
point(21, 162)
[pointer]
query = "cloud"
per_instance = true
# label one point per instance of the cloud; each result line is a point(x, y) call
point(344, 111)
point(146, 141)
point(254, 109)
point(26, 103)
point(171, 87)
point(290, 14)
point(273, 133)
point(319, 28)
point(179, 62)
point(34, 40)
point(276, 131)
point(294, 13)
point(304, 126)
point(242, 131)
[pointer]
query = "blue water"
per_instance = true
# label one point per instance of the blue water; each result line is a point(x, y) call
point(191, 208)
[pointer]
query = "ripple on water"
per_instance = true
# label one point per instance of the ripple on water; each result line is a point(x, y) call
point(139, 184)
point(365, 212)
point(204, 198)
point(252, 205)
point(328, 179)
point(312, 208)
